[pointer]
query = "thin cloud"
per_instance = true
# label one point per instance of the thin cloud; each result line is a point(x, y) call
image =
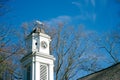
point(93, 3)
point(77, 4)
point(57, 20)
point(86, 16)
point(94, 17)
point(85, 13)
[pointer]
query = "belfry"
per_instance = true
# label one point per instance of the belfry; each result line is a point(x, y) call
point(38, 64)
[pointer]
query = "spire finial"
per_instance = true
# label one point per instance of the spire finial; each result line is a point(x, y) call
point(38, 27)
point(39, 23)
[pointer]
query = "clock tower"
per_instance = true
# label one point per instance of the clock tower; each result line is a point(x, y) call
point(38, 64)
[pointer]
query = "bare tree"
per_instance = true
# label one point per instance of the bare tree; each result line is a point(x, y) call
point(8, 47)
point(3, 7)
point(3, 41)
point(69, 46)
point(110, 43)
point(9, 51)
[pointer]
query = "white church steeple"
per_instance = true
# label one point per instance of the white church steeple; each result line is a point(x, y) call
point(38, 63)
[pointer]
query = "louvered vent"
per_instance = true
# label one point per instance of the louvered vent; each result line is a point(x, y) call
point(43, 72)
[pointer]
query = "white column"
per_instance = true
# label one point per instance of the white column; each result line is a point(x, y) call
point(51, 72)
point(37, 71)
point(33, 70)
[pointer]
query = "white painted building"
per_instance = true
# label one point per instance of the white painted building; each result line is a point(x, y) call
point(38, 64)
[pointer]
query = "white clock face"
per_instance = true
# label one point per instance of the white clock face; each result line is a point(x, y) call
point(43, 44)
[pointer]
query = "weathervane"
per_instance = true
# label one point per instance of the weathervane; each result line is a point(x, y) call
point(38, 24)
point(38, 27)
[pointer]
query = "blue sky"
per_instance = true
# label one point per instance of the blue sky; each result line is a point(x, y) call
point(99, 15)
